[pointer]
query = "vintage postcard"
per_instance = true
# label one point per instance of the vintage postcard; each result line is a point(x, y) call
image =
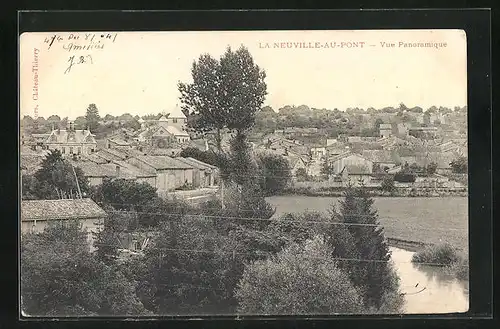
point(243, 173)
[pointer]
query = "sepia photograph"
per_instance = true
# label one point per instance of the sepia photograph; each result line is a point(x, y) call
point(243, 173)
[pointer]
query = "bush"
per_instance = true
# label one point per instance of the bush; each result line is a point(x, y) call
point(388, 184)
point(404, 177)
point(443, 254)
point(302, 279)
point(275, 171)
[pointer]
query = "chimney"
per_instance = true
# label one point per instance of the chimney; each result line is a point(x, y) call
point(117, 171)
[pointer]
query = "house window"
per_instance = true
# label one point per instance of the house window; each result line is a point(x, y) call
point(137, 245)
point(71, 150)
point(79, 150)
point(63, 150)
point(92, 150)
point(174, 120)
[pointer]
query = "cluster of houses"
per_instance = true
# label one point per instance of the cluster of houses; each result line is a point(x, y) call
point(355, 158)
point(128, 154)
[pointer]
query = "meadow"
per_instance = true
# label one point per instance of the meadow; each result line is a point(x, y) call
point(425, 220)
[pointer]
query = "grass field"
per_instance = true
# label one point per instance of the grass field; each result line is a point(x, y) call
point(427, 220)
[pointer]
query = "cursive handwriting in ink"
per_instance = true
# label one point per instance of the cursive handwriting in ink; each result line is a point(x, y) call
point(79, 60)
point(50, 40)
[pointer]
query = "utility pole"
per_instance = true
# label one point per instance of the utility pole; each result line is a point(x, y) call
point(77, 184)
point(222, 193)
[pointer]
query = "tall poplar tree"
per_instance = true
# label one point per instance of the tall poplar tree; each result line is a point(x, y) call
point(373, 273)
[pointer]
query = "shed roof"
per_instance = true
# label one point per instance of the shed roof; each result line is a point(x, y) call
point(196, 163)
point(382, 156)
point(60, 209)
point(133, 170)
point(92, 169)
point(163, 162)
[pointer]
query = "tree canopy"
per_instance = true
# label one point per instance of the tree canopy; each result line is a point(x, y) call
point(92, 117)
point(225, 93)
point(54, 180)
point(60, 277)
point(298, 280)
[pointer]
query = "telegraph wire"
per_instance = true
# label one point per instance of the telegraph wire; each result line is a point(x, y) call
point(201, 216)
point(232, 253)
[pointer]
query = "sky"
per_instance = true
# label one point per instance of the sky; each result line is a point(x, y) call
point(138, 72)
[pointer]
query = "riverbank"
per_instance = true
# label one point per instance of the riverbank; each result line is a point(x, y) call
point(376, 192)
point(407, 221)
point(413, 246)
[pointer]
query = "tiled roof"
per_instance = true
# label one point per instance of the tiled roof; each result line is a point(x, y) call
point(93, 157)
point(116, 153)
point(118, 141)
point(107, 156)
point(196, 163)
point(357, 170)
point(77, 136)
point(92, 169)
point(381, 156)
point(133, 170)
point(163, 162)
point(60, 209)
point(164, 151)
point(346, 154)
point(127, 170)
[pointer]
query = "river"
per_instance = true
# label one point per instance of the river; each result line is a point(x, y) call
point(429, 289)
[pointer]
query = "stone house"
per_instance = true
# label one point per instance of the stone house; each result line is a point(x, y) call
point(96, 173)
point(204, 174)
point(353, 175)
point(71, 141)
point(382, 158)
point(352, 161)
point(170, 173)
point(385, 130)
point(36, 214)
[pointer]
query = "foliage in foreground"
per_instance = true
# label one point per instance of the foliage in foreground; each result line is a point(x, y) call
point(61, 277)
point(189, 269)
point(298, 280)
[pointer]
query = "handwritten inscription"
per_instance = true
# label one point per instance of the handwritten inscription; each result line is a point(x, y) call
point(80, 41)
point(78, 61)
